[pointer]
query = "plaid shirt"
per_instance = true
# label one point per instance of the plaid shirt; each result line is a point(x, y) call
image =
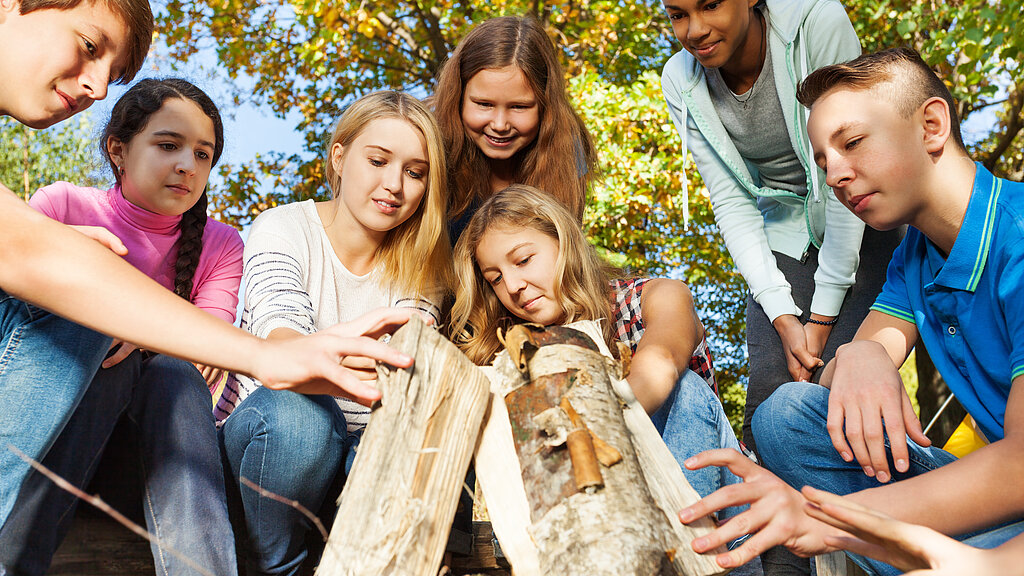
point(629, 327)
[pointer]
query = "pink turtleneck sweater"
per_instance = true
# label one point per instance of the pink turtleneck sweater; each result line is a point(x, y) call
point(150, 239)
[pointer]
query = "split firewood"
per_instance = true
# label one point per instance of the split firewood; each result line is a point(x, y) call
point(398, 503)
point(545, 524)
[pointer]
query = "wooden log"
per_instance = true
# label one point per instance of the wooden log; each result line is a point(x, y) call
point(665, 478)
point(836, 564)
point(582, 524)
point(498, 469)
point(399, 501)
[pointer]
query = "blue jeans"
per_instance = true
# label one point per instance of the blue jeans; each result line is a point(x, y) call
point(46, 364)
point(166, 404)
point(795, 445)
point(295, 446)
point(691, 421)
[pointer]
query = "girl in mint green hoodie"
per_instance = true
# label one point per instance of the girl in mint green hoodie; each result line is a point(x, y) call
point(811, 267)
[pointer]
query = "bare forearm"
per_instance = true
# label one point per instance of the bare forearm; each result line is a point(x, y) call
point(652, 380)
point(975, 492)
point(61, 270)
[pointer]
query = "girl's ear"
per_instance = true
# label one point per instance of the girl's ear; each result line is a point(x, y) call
point(337, 156)
point(115, 148)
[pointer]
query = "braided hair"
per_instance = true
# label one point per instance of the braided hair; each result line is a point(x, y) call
point(129, 116)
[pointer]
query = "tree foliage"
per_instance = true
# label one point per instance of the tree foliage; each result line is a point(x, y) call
point(315, 56)
point(31, 159)
point(975, 46)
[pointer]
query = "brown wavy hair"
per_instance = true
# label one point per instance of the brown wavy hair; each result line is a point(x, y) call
point(416, 254)
point(581, 277)
point(561, 160)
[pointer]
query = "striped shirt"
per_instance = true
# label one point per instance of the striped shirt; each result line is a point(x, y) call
point(293, 279)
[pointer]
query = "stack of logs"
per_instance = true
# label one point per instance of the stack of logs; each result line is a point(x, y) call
point(576, 478)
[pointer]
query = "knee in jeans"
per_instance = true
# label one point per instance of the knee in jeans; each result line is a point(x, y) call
point(304, 424)
point(790, 405)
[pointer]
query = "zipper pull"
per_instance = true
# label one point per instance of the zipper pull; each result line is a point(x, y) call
point(803, 259)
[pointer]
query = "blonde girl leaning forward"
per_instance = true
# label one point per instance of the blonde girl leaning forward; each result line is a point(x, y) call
point(523, 258)
point(380, 241)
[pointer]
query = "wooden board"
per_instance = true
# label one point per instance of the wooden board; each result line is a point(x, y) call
point(399, 501)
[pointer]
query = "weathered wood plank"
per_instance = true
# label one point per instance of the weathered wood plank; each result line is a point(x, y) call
point(398, 503)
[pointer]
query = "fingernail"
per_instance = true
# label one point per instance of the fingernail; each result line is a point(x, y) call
point(901, 465)
point(685, 515)
point(724, 560)
point(869, 470)
point(700, 544)
point(846, 456)
point(690, 462)
point(882, 477)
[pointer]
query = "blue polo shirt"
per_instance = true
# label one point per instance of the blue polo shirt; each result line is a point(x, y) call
point(969, 307)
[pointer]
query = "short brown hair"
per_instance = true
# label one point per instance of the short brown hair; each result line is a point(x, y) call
point(907, 79)
point(136, 14)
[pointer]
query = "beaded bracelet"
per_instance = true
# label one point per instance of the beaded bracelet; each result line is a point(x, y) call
point(823, 322)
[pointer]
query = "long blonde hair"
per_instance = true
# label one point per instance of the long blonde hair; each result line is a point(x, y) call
point(581, 278)
point(561, 160)
point(416, 255)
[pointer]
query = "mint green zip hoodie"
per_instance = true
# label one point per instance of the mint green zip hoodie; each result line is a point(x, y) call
point(803, 35)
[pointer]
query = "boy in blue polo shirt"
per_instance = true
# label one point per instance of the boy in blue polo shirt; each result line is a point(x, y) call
point(884, 129)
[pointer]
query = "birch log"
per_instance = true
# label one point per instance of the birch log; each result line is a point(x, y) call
point(399, 501)
point(587, 518)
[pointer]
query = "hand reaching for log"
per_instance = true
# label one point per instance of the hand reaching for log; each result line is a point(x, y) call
point(917, 550)
point(777, 513)
point(314, 364)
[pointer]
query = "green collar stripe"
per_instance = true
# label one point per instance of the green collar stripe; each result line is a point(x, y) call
point(986, 234)
point(1017, 371)
point(896, 312)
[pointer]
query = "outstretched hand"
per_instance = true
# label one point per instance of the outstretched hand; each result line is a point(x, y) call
point(313, 364)
point(776, 514)
point(868, 402)
point(915, 549)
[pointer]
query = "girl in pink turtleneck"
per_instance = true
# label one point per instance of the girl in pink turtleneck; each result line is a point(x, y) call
point(162, 141)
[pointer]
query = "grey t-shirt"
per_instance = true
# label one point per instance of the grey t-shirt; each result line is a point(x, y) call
point(757, 127)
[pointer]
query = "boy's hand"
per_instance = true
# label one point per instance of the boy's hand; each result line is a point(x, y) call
point(905, 546)
point(867, 402)
point(313, 364)
point(124, 349)
point(776, 514)
point(104, 237)
point(800, 361)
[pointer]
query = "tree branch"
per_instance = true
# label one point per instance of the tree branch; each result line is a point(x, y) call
point(1014, 124)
